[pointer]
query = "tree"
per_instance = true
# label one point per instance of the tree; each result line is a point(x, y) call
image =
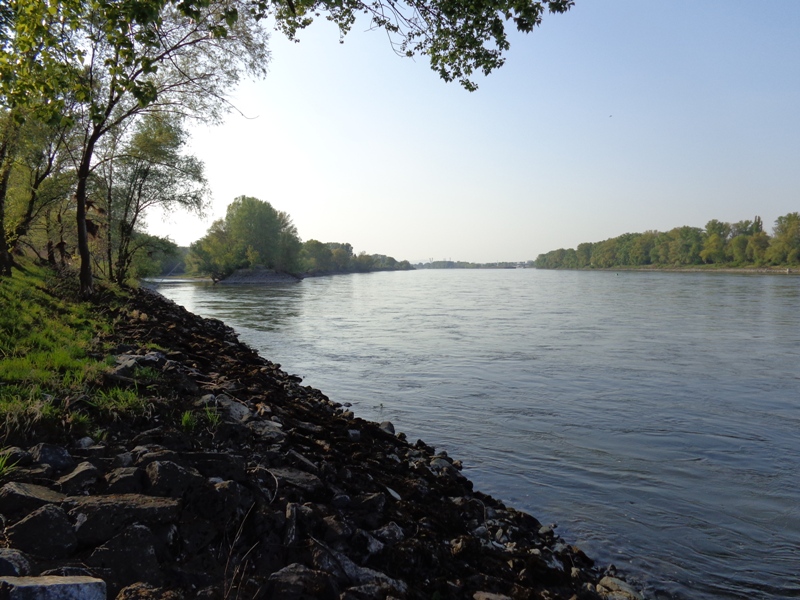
point(737, 248)
point(785, 244)
point(723, 230)
point(150, 172)
point(684, 249)
point(316, 257)
point(713, 249)
point(252, 234)
point(120, 59)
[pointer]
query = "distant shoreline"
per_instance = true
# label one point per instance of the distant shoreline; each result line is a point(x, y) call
point(691, 269)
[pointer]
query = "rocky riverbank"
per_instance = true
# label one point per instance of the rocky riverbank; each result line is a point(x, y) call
point(239, 482)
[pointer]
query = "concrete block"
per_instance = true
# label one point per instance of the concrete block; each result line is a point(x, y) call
point(52, 588)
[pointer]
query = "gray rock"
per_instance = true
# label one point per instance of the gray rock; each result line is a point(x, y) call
point(232, 410)
point(16, 456)
point(123, 460)
point(144, 591)
point(54, 588)
point(302, 462)
point(46, 532)
point(84, 443)
point(441, 465)
point(223, 502)
point(269, 432)
point(619, 589)
point(83, 476)
point(99, 518)
point(211, 464)
point(24, 497)
point(13, 563)
point(354, 435)
point(129, 557)
point(57, 457)
point(387, 427)
point(341, 500)
point(301, 480)
point(389, 534)
point(489, 596)
point(329, 560)
point(125, 480)
point(169, 479)
point(297, 582)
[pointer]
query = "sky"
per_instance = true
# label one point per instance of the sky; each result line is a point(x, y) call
point(618, 116)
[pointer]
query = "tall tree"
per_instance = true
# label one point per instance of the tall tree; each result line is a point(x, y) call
point(151, 172)
point(125, 58)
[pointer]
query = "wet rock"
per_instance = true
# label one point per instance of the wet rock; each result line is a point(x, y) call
point(387, 427)
point(99, 518)
point(83, 476)
point(46, 532)
point(13, 563)
point(23, 498)
point(52, 588)
point(617, 589)
point(57, 457)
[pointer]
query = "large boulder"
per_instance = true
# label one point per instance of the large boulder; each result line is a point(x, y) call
point(46, 532)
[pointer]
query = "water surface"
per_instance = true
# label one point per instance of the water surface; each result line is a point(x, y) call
point(654, 416)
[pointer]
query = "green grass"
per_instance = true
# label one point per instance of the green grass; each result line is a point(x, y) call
point(188, 421)
point(6, 466)
point(49, 354)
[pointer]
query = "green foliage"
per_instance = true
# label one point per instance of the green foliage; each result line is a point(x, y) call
point(6, 466)
point(317, 258)
point(188, 421)
point(722, 244)
point(212, 416)
point(252, 234)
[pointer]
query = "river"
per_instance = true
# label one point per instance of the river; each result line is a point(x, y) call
point(655, 417)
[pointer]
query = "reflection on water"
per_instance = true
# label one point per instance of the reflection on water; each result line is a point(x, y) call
point(654, 416)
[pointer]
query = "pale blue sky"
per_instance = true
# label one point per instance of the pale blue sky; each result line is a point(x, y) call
point(621, 115)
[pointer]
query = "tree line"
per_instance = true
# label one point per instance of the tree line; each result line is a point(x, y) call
point(82, 82)
point(740, 244)
point(253, 233)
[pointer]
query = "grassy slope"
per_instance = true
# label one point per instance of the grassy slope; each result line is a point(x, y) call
point(52, 357)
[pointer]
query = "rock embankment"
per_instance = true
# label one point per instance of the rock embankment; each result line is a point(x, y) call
point(239, 482)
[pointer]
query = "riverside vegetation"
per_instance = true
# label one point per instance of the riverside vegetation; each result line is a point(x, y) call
point(146, 449)
point(742, 245)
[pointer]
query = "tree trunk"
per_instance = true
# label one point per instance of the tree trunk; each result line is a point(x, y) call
point(5, 172)
point(85, 276)
point(51, 254)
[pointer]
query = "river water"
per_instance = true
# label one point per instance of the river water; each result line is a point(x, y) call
point(655, 417)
